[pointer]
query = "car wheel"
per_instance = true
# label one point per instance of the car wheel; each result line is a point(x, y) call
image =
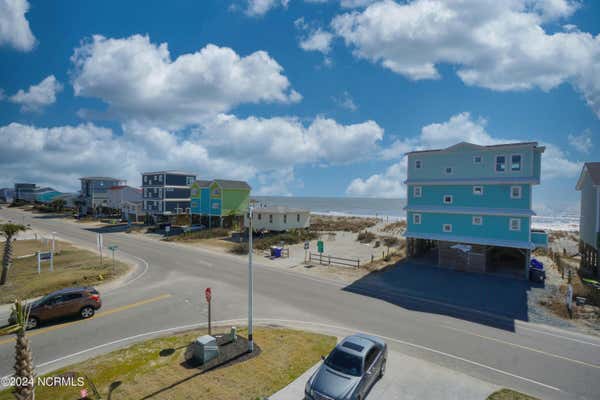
point(87, 312)
point(382, 369)
point(32, 323)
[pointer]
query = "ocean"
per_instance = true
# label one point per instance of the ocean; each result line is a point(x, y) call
point(563, 217)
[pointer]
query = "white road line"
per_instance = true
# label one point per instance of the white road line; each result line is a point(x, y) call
point(296, 322)
point(521, 346)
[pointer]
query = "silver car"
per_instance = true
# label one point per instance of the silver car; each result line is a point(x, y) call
point(350, 370)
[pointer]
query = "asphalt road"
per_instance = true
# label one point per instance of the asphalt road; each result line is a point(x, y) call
point(167, 292)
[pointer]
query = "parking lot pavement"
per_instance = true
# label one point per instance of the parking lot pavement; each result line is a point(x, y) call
point(408, 378)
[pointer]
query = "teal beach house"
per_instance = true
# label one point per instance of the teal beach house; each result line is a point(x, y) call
point(469, 206)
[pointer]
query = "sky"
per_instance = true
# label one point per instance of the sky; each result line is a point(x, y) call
point(299, 97)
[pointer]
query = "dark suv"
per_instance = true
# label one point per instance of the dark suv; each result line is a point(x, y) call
point(83, 301)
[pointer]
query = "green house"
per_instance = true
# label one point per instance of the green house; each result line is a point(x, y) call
point(219, 198)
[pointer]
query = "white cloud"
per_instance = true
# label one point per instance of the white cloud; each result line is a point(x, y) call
point(582, 143)
point(14, 27)
point(459, 128)
point(225, 146)
point(261, 7)
point(138, 80)
point(500, 45)
point(346, 101)
point(317, 40)
point(385, 185)
point(38, 96)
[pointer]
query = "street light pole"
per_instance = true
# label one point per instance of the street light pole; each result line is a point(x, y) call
point(250, 282)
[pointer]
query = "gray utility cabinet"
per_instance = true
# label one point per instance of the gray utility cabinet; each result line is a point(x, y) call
point(205, 348)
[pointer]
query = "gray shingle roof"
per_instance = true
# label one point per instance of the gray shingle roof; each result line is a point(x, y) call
point(593, 169)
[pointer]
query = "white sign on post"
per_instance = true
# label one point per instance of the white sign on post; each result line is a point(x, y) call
point(43, 256)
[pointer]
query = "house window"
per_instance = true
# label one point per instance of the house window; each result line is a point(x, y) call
point(418, 164)
point(297, 217)
point(500, 163)
point(476, 159)
point(285, 218)
point(417, 219)
point(160, 178)
point(270, 218)
point(145, 178)
point(477, 220)
point(189, 180)
point(448, 170)
point(515, 224)
point(447, 199)
point(515, 162)
point(259, 216)
point(515, 192)
point(478, 190)
point(417, 190)
point(447, 227)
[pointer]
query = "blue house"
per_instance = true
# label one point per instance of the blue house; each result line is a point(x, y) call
point(469, 206)
point(589, 224)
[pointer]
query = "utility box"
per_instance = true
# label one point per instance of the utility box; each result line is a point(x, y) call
point(204, 349)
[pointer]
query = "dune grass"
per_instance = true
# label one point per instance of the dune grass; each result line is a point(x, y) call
point(72, 267)
point(285, 355)
point(507, 394)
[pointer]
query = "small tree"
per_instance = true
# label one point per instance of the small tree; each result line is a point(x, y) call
point(23, 358)
point(58, 204)
point(9, 231)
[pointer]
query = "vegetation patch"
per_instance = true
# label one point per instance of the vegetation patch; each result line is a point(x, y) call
point(294, 236)
point(346, 224)
point(72, 267)
point(156, 369)
point(199, 235)
point(507, 394)
point(394, 227)
point(366, 237)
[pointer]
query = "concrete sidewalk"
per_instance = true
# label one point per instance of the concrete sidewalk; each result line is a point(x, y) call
point(408, 378)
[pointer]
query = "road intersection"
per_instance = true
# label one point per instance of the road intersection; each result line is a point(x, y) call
point(166, 293)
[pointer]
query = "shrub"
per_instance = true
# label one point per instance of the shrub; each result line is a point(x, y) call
point(203, 234)
point(390, 241)
point(346, 224)
point(239, 248)
point(366, 237)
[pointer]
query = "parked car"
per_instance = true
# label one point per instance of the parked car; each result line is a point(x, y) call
point(82, 301)
point(350, 370)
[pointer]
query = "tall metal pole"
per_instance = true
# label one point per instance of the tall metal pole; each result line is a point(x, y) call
point(250, 282)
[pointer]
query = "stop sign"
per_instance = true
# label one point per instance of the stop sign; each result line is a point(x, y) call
point(208, 294)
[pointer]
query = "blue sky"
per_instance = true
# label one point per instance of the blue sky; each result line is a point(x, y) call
point(300, 97)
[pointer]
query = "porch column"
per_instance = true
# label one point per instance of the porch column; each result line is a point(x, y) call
point(527, 261)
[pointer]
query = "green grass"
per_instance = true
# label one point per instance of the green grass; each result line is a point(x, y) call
point(507, 394)
point(292, 237)
point(285, 355)
point(72, 267)
point(199, 235)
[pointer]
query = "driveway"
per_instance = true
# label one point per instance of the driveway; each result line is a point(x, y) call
point(408, 378)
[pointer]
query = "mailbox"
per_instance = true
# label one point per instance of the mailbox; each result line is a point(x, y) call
point(204, 349)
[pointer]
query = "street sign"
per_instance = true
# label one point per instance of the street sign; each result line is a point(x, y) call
point(47, 255)
point(306, 245)
point(44, 256)
point(208, 294)
point(320, 246)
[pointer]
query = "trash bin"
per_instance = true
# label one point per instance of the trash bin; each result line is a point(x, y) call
point(536, 264)
point(204, 349)
point(275, 251)
point(537, 275)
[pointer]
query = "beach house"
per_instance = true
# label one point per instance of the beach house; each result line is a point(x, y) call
point(589, 223)
point(469, 206)
point(166, 194)
point(278, 219)
point(219, 201)
point(94, 192)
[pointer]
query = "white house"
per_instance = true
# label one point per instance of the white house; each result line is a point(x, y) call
point(589, 224)
point(278, 219)
point(117, 195)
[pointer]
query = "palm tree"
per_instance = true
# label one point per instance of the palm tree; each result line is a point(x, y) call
point(23, 358)
point(8, 231)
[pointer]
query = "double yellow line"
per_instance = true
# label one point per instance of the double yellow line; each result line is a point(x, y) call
point(97, 315)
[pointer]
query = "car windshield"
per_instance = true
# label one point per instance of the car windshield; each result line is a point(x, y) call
point(345, 363)
point(41, 301)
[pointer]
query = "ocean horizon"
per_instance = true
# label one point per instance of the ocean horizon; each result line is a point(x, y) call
point(556, 217)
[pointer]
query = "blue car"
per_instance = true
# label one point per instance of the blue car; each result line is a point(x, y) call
point(350, 370)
